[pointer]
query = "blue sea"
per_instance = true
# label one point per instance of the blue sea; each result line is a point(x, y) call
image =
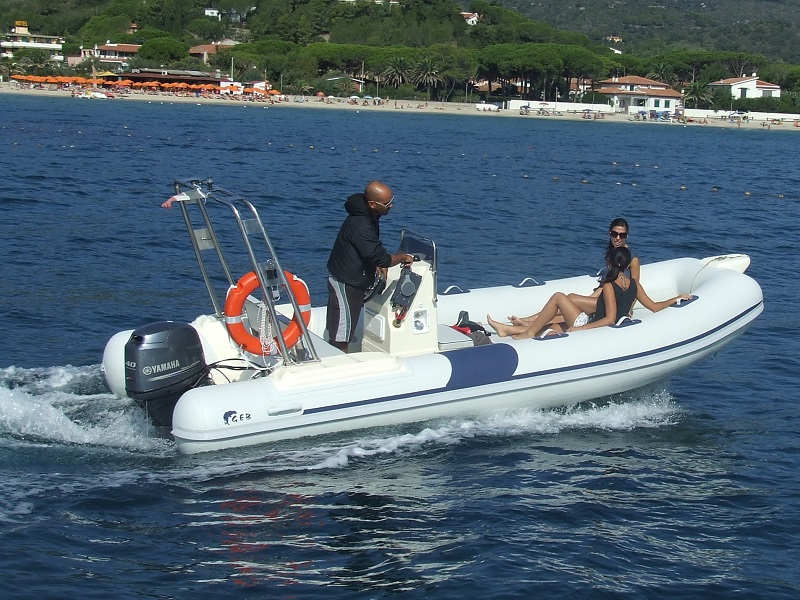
point(689, 488)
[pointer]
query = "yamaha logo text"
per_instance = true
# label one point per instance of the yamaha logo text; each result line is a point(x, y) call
point(167, 366)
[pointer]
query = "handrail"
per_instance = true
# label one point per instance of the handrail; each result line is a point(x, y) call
point(200, 192)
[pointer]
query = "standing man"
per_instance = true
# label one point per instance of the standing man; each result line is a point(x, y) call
point(357, 254)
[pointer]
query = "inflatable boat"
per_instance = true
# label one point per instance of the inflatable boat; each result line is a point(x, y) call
point(259, 369)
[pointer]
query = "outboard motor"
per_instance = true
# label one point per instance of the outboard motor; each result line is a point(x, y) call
point(162, 361)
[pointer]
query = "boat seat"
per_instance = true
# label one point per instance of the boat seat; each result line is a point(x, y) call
point(452, 339)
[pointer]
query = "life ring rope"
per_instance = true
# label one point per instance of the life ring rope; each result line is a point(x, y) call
point(234, 307)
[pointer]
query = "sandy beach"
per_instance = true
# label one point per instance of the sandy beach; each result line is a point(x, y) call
point(313, 102)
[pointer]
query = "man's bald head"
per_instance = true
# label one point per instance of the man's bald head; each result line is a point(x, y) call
point(378, 192)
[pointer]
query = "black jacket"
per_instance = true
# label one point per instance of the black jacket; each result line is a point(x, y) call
point(358, 250)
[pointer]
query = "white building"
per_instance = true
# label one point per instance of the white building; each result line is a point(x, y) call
point(114, 55)
point(636, 94)
point(19, 38)
point(747, 87)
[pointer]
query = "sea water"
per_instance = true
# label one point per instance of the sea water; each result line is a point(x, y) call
point(684, 489)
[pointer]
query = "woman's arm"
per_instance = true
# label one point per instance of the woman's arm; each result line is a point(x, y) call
point(635, 268)
point(652, 306)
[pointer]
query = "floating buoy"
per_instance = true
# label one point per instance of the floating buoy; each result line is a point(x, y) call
point(585, 181)
point(747, 193)
point(683, 187)
point(714, 189)
point(634, 184)
point(555, 178)
point(780, 195)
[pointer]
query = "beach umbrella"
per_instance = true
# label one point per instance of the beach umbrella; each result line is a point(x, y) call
point(275, 92)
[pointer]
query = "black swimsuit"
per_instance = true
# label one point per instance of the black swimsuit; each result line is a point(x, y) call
point(625, 300)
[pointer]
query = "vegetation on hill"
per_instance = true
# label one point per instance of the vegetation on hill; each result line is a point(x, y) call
point(767, 27)
point(411, 49)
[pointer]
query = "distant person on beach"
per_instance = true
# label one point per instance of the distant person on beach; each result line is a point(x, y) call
point(618, 292)
point(355, 260)
point(618, 235)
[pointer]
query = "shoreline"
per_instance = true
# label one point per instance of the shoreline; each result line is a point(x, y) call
point(419, 107)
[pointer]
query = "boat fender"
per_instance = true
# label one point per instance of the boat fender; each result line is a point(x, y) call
point(234, 305)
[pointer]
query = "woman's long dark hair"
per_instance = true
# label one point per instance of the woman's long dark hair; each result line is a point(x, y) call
point(619, 222)
point(617, 260)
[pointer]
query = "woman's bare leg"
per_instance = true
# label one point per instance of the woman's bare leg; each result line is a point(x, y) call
point(504, 330)
point(558, 305)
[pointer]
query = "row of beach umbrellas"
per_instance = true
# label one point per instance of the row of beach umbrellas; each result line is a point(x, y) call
point(182, 85)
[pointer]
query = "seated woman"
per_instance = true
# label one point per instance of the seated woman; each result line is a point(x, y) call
point(618, 232)
point(618, 292)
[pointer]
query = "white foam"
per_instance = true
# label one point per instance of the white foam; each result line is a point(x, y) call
point(69, 405)
point(648, 409)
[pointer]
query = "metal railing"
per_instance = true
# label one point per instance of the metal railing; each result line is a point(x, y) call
point(201, 193)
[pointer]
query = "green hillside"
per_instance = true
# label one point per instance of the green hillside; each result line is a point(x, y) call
point(649, 27)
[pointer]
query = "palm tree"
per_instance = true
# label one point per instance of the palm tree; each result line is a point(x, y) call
point(698, 93)
point(426, 74)
point(397, 71)
point(663, 73)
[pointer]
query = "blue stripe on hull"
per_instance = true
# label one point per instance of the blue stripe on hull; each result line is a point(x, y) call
point(481, 365)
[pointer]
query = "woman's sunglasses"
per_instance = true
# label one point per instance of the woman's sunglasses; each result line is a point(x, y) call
point(618, 234)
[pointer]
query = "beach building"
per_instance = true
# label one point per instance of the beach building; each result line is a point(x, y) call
point(638, 94)
point(115, 56)
point(205, 51)
point(19, 38)
point(747, 87)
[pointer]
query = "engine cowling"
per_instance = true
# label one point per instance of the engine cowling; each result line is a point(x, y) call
point(162, 361)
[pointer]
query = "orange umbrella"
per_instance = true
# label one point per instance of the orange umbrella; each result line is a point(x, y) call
point(275, 92)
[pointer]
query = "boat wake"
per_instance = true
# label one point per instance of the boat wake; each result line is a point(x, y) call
point(70, 406)
point(651, 407)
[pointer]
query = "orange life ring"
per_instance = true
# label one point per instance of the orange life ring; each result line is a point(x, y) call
point(234, 304)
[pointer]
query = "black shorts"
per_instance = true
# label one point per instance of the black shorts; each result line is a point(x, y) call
point(344, 309)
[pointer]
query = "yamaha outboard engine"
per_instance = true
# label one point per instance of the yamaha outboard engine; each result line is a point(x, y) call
point(162, 361)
